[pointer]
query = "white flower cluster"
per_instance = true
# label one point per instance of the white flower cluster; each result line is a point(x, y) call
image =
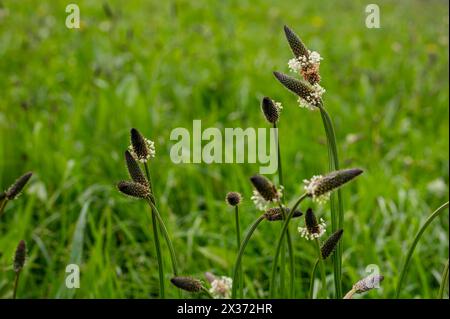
point(278, 106)
point(221, 287)
point(150, 150)
point(260, 202)
point(311, 186)
point(303, 63)
point(313, 99)
point(305, 233)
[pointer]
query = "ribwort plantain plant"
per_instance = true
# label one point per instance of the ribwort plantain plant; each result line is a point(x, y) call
point(234, 199)
point(307, 64)
point(142, 150)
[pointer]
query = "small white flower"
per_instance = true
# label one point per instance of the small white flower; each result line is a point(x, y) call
point(261, 203)
point(312, 100)
point(304, 232)
point(311, 187)
point(278, 106)
point(221, 287)
point(150, 148)
point(303, 63)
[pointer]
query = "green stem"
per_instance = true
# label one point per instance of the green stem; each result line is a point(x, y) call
point(16, 284)
point(288, 235)
point(337, 215)
point(167, 239)
point(280, 241)
point(2, 206)
point(158, 255)
point(322, 269)
point(238, 241)
point(410, 252)
point(311, 280)
point(206, 292)
point(241, 252)
point(443, 281)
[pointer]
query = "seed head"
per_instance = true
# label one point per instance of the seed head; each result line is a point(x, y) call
point(134, 189)
point(264, 187)
point(270, 109)
point(275, 214)
point(310, 96)
point(313, 229)
point(141, 148)
point(15, 189)
point(319, 187)
point(134, 170)
point(297, 46)
point(187, 283)
point(331, 243)
point(20, 256)
point(233, 198)
point(368, 283)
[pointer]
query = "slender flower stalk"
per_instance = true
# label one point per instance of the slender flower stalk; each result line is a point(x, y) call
point(19, 262)
point(240, 254)
point(234, 199)
point(280, 241)
point(322, 268)
point(444, 281)
point(411, 249)
point(311, 280)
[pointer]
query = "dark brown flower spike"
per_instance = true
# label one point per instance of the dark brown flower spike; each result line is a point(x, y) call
point(333, 181)
point(311, 222)
point(264, 187)
point(297, 46)
point(20, 256)
point(187, 283)
point(233, 198)
point(134, 189)
point(143, 149)
point(302, 89)
point(330, 244)
point(270, 110)
point(275, 214)
point(134, 170)
point(15, 189)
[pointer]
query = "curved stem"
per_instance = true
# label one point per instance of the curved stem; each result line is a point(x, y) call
point(238, 241)
point(16, 284)
point(443, 281)
point(158, 254)
point(414, 244)
point(337, 213)
point(167, 239)
point(280, 241)
point(311, 280)
point(241, 252)
point(322, 269)
point(206, 292)
point(2, 206)
point(349, 295)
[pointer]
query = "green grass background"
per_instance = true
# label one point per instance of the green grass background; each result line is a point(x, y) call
point(69, 97)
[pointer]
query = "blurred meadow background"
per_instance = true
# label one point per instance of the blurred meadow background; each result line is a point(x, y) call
point(68, 98)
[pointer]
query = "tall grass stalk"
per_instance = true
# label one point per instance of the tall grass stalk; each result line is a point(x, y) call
point(410, 252)
point(336, 206)
point(16, 284)
point(444, 281)
point(244, 243)
point(280, 241)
